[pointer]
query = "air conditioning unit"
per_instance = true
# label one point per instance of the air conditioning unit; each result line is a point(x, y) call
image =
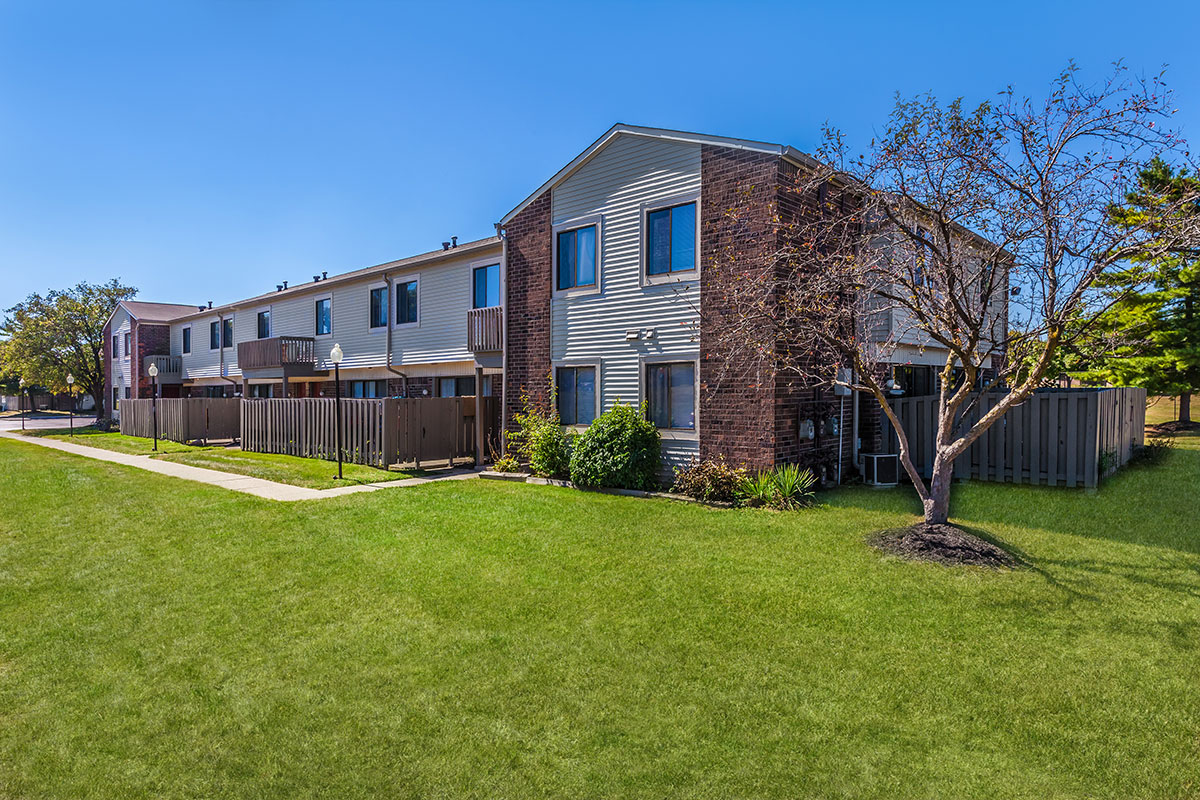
point(881, 469)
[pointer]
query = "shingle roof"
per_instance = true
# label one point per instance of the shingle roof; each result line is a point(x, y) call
point(157, 312)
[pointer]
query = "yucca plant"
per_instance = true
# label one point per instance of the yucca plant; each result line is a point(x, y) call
point(758, 489)
point(793, 486)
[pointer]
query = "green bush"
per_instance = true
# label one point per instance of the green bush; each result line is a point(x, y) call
point(540, 440)
point(785, 487)
point(620, 450)
point(711, 480)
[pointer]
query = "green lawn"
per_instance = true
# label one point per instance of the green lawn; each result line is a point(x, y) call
point(485, 639)
point(307, 472)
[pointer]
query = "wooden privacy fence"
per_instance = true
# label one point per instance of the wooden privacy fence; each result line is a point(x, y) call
point(183, 419)
point(376, 432)
point(1058, 437)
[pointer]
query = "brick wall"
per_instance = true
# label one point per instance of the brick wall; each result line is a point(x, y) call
point(527, 301)
point(737, 200)
point(148, 340)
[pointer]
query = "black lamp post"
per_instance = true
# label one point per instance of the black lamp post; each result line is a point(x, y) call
point(21, 403)
point(153, 372)
point(71, 401)
point(335, 355)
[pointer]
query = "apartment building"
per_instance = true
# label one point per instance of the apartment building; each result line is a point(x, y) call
point(596, 286)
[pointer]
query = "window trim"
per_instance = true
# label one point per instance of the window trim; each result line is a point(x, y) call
point(216, 322)
point(270, 323)
point(396, 283)
point(316, 299)
point(477, 264)
point(116, 347)
point(187, 341)
point(575, 224)
point(597, 364)
point(674, 434)
point(232, 320)
point(127, 343)
point(387, 314)
point(644, 211)
point(437, 382)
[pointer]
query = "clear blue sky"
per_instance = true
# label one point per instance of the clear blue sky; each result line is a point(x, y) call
point(208, 150)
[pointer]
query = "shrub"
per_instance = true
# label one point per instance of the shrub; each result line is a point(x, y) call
point(785, 487)
point(505, 463)
point(620, 449)
point(711, 480)
point(1156, 448)
point(106, 425)
point(540, 439)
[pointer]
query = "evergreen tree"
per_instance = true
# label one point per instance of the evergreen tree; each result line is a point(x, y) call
point(1156, 311)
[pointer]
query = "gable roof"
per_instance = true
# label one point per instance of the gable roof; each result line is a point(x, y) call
point(621, 129)
point(156, 312)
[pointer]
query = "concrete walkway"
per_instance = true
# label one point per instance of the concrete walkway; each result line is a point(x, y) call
point(269, 490)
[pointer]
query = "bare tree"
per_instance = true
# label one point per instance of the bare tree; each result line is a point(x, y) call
point(979, 234)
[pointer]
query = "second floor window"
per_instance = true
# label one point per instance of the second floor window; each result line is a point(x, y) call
point(264, 324)
point(127, 345)
point(324, 317)
point(486, 291)
point(577, 258)
point(671, 239)
point(116, 346)
point(187, 340)
point(379, 309)
point(214, 336)
point(227, 333)
point(576, 395)
point(406, 303)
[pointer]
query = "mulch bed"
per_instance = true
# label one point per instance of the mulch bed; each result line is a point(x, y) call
point(1174, 426)
point(943, 544)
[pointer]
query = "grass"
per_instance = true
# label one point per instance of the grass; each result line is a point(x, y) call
point(486, 639)
point(307, 472)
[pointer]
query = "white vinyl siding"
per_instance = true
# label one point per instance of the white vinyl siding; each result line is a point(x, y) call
point(617, 184)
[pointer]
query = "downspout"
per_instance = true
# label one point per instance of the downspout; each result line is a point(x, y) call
point(856, 441)
point(391, 289)
point(221, 351)
point(841, 431)
point(503, 333)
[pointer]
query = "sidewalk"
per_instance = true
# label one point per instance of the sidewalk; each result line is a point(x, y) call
point(269, 490)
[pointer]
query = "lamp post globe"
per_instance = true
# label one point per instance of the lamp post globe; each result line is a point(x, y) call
point(336, 355)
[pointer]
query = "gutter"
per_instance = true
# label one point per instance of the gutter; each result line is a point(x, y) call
point(387, 277)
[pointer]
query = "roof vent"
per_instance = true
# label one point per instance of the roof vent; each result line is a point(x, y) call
point(201, 308)
point(324, 274)
point(210, 303)
point(316, 278)
point(285, 284)
point(445, 245)
point(454, 241)
point(279, 287)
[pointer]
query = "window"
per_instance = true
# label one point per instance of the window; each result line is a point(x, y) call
point(324, 320)
point(126, 392)
point(671, 395)
point(577, 258)
point(576, 395)
point(367, 388)
point(456, 387)
point(263, 390)
point(264, 324)
point(379, 309)
point(187, 340)
point(406, 303)
point(921, 253)
point(487, 286)
point(116, 346)
point(227, 333)
point(127, 348)
point(671, 239)
point(214, 336)
point(916, 381)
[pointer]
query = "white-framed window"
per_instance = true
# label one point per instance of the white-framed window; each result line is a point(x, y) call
point(485, 285)
point(128, 346)
point(369, 388)
point(578, 387)
point(227, 332)
point(323, 316)
point(576, 256)
point(377, 315)
point(459, 386)
point(214, 335)
point(671, 239)
point(116, 346)
point(186, 335)
point(670, 390)
point(263, 322)
point(408, 301)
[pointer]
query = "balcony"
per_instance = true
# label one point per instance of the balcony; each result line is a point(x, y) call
point(276, 352)
point(485, 329)
point(170, 368)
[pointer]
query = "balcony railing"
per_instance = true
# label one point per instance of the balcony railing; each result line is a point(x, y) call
point(277, 351)
point(485, 329)
point(168, 366)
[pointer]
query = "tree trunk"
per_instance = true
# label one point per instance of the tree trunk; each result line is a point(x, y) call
point(1185, 407)
point(937, 505)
